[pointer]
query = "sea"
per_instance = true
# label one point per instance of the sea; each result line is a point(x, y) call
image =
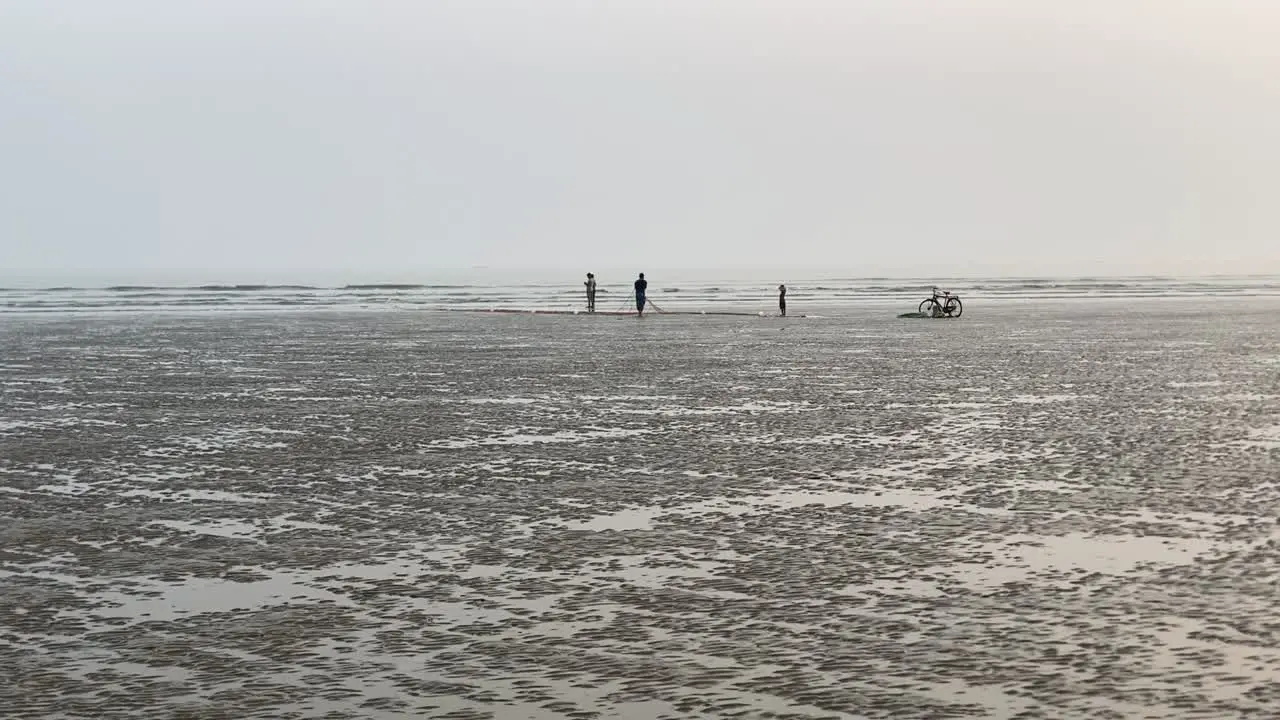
point(675, 290)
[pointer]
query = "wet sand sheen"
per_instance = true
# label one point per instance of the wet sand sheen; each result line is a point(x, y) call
point(1039, 512)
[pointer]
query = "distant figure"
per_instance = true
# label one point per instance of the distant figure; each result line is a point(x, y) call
point(782, 299)
point(591, 292)
point(641, 286)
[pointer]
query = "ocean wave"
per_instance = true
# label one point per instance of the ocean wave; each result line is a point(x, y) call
point(195, 288)
point(253, 288)
point(884, 289)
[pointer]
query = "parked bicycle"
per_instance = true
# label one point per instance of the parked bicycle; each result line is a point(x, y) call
point(942, 304)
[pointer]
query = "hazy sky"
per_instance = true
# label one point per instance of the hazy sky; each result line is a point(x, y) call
point(864, 136)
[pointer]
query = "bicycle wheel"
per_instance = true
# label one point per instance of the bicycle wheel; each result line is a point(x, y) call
point(926, 307)
point(953, 308)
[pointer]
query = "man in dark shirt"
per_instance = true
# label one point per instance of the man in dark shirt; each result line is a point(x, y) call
point(782, 299)
point(642, 285)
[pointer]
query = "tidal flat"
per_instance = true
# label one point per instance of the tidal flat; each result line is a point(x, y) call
point(1042, 510)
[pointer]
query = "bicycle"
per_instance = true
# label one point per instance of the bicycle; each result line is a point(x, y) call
point(942, 304)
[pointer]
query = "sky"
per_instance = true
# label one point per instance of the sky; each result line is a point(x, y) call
point(868, 137)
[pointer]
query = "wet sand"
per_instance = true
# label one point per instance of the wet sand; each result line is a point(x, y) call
point(1035, 512)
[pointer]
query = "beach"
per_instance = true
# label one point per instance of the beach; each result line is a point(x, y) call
point(1050, 508)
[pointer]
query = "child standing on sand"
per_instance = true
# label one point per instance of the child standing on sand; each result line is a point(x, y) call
point(782, 300)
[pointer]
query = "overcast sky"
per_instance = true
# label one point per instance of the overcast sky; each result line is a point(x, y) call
point(868, 136)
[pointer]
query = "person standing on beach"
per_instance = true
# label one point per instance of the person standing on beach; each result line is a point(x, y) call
point(642, 286)
point(782, 299)
point(591, 292)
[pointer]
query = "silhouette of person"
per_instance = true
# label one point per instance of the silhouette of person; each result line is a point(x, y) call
point(591, 292)
point(782, 299)
point(642, 286)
